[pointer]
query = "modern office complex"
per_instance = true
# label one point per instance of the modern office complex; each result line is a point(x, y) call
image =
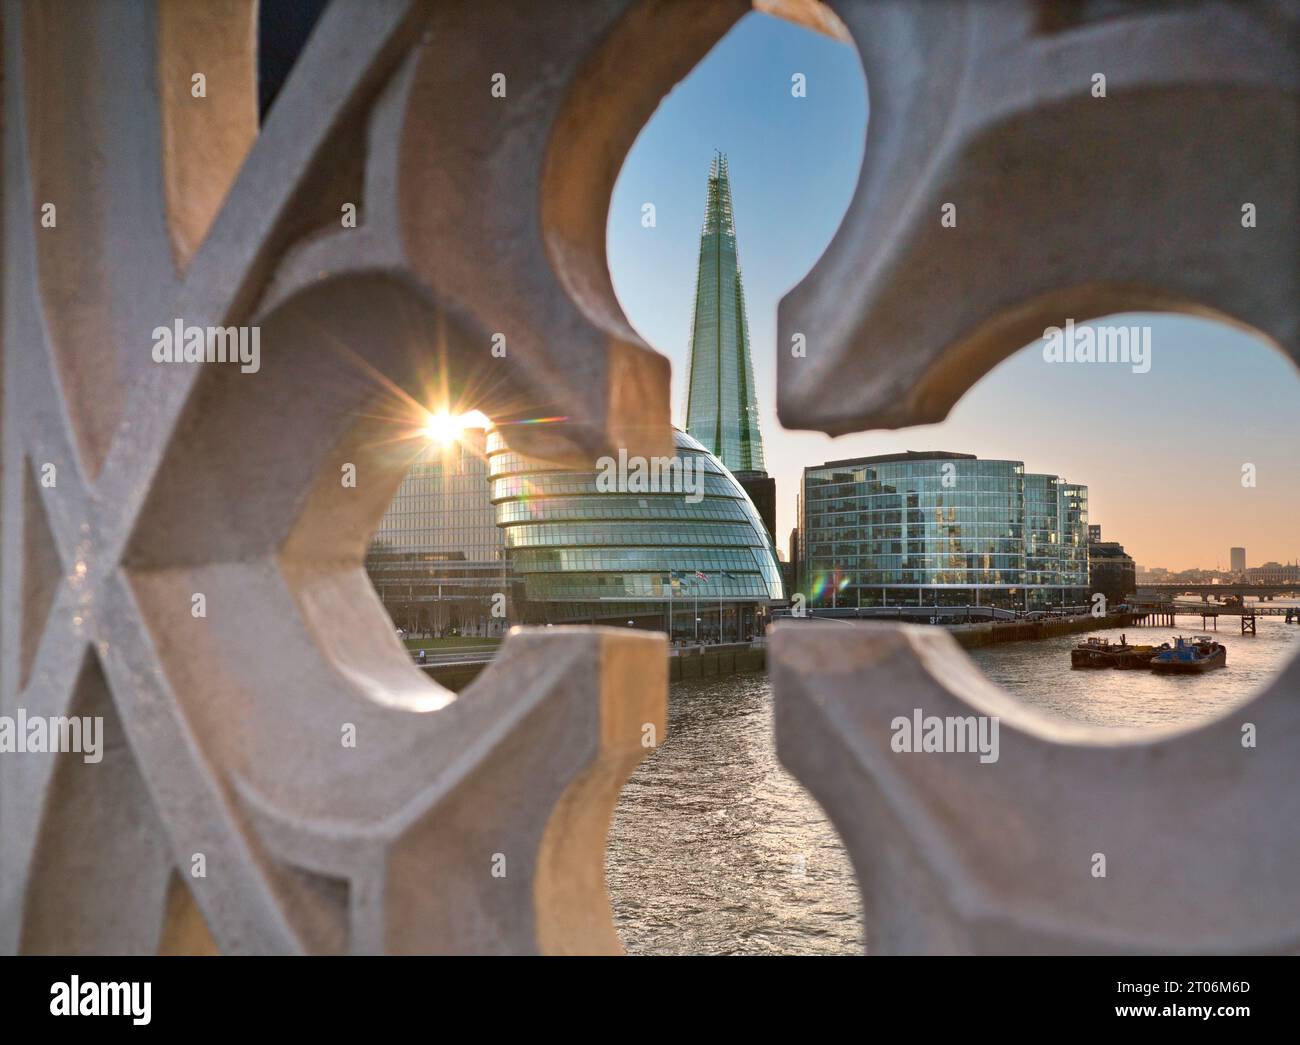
point(438, 559)
point(1238, 557)
point(941, 529)
point(581, 554)
point(721, 408)
point(1111, 570)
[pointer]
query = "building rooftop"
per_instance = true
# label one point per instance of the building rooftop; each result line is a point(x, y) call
point(910, 455)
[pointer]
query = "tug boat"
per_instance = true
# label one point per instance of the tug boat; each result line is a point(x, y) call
point(1093, 653)
point(1190, 656)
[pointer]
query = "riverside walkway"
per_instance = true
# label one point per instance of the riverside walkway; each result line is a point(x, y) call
point(458, 668)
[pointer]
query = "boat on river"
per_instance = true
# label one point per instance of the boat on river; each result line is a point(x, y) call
point(1092, 653)
point(1190, 656)
point(1135, 658)
point(1102, 653)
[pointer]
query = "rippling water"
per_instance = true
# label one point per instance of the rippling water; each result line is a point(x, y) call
point(715, 849)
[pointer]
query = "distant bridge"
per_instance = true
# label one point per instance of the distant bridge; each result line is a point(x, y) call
point(1167, 612)
point(1200, 609)
point(1206, 591)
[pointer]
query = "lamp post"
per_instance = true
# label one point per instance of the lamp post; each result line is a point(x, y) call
point(670, 609)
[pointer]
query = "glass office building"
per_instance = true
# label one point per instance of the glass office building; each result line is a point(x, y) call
point(1042, 530)
point(941, 529)
point(438, 559)
point(1074, 537)
point(580, 555)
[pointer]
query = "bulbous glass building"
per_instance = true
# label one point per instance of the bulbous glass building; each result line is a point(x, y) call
point(581, 552)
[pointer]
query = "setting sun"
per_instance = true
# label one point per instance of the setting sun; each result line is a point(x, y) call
point(445, 427)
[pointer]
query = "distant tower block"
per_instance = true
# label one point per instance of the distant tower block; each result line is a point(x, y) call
point(1238, 556)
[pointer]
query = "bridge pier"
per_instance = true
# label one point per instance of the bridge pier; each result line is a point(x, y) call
point(1156, 616)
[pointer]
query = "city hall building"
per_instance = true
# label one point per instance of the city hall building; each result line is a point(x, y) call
point(941, 529)
point(693, 563)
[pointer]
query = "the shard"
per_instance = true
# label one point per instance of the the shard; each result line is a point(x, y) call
point(721, 411)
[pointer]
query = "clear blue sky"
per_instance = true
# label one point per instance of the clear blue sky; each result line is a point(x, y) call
point(1170, 444)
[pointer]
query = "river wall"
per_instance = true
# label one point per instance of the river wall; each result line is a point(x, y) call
point(972, 636)
point(695, 662)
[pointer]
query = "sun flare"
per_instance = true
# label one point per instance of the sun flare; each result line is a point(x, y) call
point(446, 428)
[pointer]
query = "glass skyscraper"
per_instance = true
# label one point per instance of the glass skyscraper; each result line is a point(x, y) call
point(942, 529)
point(721, 410)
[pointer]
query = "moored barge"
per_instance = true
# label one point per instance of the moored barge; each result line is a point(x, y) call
point(1190, 657)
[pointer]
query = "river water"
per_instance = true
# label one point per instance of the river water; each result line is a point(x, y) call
point(715, 849)
point(1141, 698)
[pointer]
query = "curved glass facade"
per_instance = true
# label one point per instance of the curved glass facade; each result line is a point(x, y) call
point(944, 530)
point(578, 553)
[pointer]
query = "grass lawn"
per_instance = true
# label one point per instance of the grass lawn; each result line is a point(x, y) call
point(452, 643)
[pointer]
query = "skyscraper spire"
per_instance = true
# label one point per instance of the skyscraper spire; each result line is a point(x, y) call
point(721, 410)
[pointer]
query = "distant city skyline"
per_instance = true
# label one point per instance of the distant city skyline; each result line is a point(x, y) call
point(1162, 452)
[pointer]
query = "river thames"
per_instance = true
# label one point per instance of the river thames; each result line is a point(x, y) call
point(715, 849)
